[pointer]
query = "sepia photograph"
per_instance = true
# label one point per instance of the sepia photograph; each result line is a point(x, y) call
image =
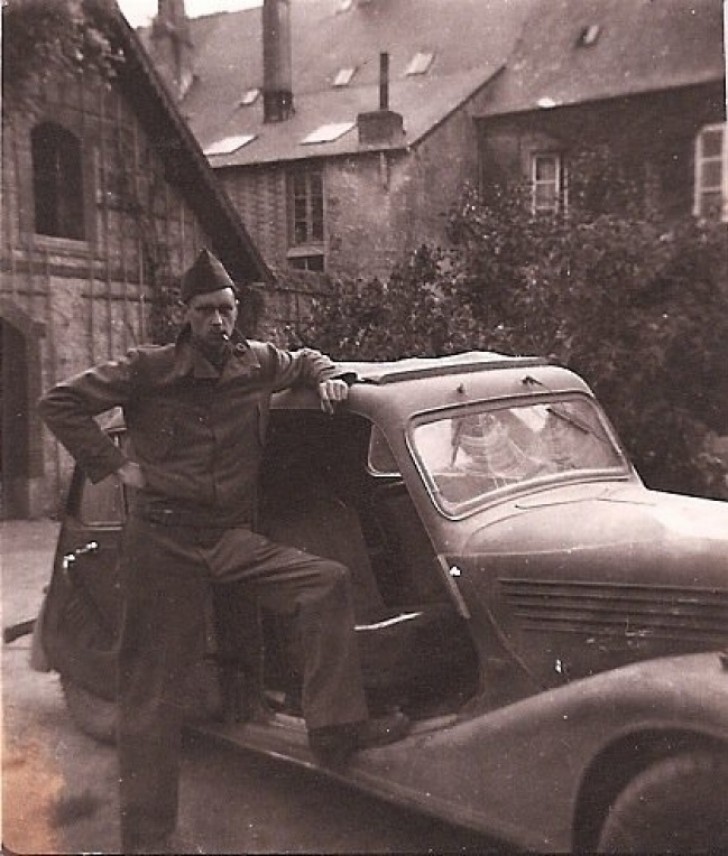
point(364, 427)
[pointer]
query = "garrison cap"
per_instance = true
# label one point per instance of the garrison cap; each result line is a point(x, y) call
point(206, 274)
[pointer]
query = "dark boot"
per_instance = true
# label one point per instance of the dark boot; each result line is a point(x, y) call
point(333, 745)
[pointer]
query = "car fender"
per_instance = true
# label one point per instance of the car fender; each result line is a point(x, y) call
point(517, 772)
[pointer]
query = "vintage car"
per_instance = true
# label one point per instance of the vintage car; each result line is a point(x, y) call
point(556, 631)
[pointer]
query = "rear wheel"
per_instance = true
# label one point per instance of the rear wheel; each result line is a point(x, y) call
point(677, 805)
point(95, 716)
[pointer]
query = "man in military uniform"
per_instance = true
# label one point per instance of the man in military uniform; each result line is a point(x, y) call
point(196, 413)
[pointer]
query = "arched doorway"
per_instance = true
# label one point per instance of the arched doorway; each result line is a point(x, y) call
point(14, 422)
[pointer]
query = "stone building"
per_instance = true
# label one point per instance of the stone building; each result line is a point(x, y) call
point(344, 129)
point(107, 198)
point(341, 129)
point(641, 81)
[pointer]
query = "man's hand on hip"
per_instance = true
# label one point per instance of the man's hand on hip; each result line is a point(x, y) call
point(130, 474)
point(330, 391)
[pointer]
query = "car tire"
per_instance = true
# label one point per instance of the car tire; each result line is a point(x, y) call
point(97, 717)
point(676, 805)
point(94, 716)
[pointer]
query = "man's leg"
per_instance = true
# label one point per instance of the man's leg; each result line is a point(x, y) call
point(162, 634)
point(317, 592)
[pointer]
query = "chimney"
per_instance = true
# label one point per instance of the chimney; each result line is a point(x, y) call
point(172, 46)
point(277, 71)
point(384, 81)
point(383, 126)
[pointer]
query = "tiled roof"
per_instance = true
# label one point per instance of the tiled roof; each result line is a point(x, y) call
point(469, 39)
point(531, 53)
point(573, 51)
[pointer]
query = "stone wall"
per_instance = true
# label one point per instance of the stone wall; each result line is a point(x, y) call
point(656, 131)
point(65, 303)
point(378, 206)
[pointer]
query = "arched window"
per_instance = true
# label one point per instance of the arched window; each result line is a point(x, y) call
point(57, 182)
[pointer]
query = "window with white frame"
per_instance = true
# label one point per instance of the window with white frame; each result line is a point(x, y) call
point(306, 216)
point(711, 173)
point(548, 183)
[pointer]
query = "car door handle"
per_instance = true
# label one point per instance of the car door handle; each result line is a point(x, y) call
point(87, 549)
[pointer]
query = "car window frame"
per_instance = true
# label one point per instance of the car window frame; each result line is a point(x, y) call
point(528, 487)
point(376, 431)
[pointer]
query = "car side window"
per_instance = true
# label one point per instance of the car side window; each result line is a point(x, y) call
point(380, 460)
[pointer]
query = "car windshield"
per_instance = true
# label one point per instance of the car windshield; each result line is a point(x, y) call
point(471, 454)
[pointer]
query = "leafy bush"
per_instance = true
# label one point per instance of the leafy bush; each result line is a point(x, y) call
point(638, 309)
point(44, 37)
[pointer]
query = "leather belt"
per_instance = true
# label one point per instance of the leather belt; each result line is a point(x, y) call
point(168, 513)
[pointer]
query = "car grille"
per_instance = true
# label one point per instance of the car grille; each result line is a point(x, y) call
point(619, 609)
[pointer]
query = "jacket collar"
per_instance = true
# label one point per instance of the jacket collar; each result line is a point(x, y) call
point(189, 361)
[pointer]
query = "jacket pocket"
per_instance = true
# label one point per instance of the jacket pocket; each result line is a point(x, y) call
point(154, 433)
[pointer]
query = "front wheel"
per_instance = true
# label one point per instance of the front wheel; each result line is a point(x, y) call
point(676, 805)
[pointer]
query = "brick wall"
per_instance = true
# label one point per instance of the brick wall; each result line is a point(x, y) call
point(259, 195)
point(378, 206)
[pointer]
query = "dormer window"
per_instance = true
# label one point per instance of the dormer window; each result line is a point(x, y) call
point(588, 36)
point(419, 63)
point(57, 182)
point(327, 133)
point(228, 145)
point(344, 76)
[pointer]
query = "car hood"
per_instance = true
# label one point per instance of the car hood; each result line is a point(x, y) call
point(616, 528)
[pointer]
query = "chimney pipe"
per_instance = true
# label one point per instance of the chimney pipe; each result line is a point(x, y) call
point(381, 128)
point(277, 73)
point(172, 46)
point(384, 81)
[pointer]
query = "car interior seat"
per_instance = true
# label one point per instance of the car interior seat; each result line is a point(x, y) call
point(412, 648)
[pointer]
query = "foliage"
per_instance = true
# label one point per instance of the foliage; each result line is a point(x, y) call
point(44, 37)
point(638, 309)
point(415, 312)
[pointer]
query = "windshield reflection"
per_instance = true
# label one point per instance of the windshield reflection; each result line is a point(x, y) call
point(469, 455)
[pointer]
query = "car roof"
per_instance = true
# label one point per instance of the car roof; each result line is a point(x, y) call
point(493, 371)
point(411, 368)
point(399, 389)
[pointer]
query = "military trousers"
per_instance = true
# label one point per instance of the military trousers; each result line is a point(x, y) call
point(167, 572)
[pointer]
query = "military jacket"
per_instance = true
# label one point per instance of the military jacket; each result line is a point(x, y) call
point(197, 434)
